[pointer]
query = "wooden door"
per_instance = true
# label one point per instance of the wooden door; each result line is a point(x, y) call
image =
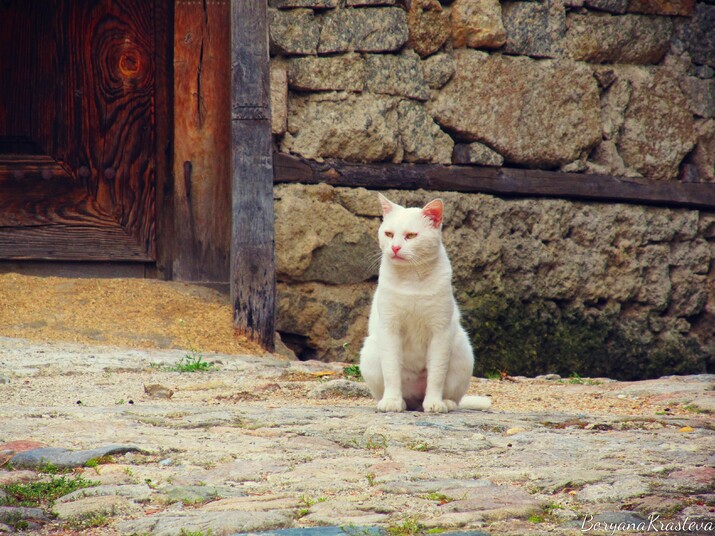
point(78, 142)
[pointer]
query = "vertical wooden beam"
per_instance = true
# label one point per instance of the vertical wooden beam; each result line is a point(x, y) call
point(163, 99)
point(253, 279)
point(202, 150)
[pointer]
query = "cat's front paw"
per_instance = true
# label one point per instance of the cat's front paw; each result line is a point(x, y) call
point(435, 406)
point(391, 404)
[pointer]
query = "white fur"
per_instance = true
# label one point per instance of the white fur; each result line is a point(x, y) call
point(416, 354)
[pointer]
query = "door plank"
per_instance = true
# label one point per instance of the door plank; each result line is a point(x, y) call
point(202, 134)
point(77, 129)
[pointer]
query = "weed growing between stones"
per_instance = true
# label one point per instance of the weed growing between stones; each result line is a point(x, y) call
point(43, 493)
point(538, 337)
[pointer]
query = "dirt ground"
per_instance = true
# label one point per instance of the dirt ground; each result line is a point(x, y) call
point(142, 313)
point(137, 313)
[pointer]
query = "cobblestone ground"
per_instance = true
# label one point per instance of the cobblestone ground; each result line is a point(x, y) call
point(256, 444)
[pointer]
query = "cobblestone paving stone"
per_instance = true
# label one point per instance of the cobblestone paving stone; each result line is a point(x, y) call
point(257, 444)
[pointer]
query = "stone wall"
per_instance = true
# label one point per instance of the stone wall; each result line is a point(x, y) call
point(545, 285)
point(620, 87)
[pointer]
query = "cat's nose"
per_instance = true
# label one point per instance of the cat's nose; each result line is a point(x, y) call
point(395, 249)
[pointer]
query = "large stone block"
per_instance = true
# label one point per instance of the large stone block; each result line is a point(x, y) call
point(422, 139)
point(437, 70)
point(477, 24)
point(611, 6)
point(293, 32)
point(397, 75)
point(315, 234)
point(537, 113)
point(359, 128)
point(698, 34)
point(684, 8)
point(345, 72)
point(279, 98)
point(378, 29)
point(701, 95)
point(703, 157)
point(428, 26)
point(326, 322)
point(534, 29)
point(601, 38)
point(658, 127)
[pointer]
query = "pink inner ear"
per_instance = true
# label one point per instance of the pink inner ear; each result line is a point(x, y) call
point(387, 205)
point(433, 210)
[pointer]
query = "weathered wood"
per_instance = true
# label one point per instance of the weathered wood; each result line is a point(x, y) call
point(202, 157)
point(253, 285)
point(164, 124)
point(497, 181)
point(81, 91)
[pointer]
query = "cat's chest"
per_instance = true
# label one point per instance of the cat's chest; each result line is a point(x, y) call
point(415, 314)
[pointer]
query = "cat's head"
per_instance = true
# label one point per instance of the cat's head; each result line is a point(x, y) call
point(410, 235)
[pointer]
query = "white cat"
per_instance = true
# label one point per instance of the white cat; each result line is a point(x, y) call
point(416, 354)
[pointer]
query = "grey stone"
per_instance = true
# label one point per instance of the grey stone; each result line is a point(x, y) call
point(700, 94)
point(477, 24)
point(341, 389)
point(634, 39)
point(703, 157)
point(213, 522)
point(612, 6)
point(189, 495)
point(351, 256)
point(658, 129)
point(698, 35)
point(476, 153)
point(534, 29)
point(135, 492)
point(379, 29)
point(13, 513)
point(358, 128)
point(496, 503)
point(64, 458)
point(316, 4)
point(620, 489)
point(293, 32)
point(356, 3)
point(344, 72)
point(396, 75)
point(422, 139)
point(681, 8)
point(534, 123)
point(279, 98)
point(103, 505)
point(437, 70)
point(428, 27)
point(321, 531)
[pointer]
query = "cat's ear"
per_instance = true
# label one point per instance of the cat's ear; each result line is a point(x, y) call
point(387, 205)
point(433, 212)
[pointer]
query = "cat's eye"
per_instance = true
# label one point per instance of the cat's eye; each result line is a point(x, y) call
point(410, 236)
point(388, 234)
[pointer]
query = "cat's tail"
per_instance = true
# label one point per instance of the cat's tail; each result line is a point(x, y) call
point(475, 402)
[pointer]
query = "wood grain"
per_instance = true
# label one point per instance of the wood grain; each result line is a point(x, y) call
point(497, 181)
point(202, 157)
point(82, 91)
point(253, 285)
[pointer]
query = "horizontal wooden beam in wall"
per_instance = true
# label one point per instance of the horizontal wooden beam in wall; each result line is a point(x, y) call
point(496, 181)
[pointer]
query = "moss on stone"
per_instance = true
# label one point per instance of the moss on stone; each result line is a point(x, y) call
point(532, 337)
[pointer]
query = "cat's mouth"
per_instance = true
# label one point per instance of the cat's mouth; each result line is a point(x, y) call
point(397, 257)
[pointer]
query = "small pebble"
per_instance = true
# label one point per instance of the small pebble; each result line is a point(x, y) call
point(156, 390)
